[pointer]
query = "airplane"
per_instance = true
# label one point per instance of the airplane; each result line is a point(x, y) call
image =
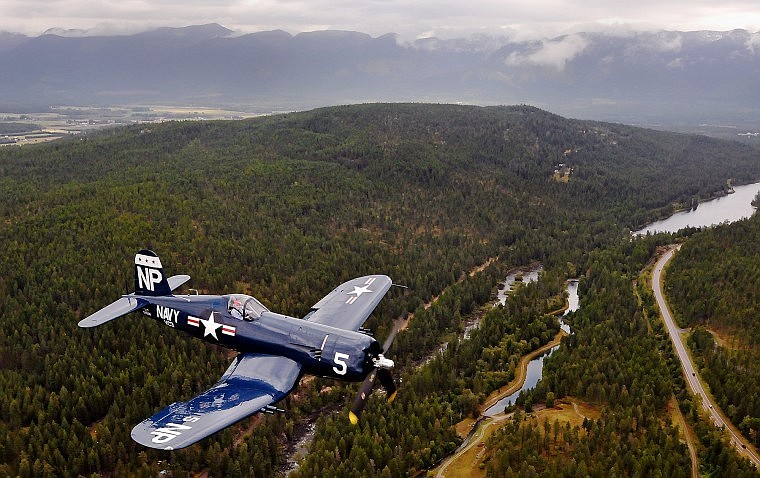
point(275, 350)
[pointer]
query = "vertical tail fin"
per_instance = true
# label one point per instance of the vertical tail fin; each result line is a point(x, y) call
point(149, 275)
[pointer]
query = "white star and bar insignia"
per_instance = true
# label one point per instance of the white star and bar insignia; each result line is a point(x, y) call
point(211, 326)
point(358, 291)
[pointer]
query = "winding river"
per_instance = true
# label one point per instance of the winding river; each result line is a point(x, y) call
point(525, 275)
point(536, 366)
point(729, 208)
point(532, 376)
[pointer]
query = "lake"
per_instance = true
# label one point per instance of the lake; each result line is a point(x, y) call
point(729, 208)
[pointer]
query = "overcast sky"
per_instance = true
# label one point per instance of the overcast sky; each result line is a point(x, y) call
point(410, 19)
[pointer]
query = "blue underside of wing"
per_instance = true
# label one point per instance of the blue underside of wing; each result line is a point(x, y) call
point(252, 382)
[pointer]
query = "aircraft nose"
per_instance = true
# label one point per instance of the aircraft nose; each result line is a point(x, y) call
point(381, 362)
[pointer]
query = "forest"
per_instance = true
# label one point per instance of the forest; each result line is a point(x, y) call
point(713, 282)
point(288, 206)
point(620, 358)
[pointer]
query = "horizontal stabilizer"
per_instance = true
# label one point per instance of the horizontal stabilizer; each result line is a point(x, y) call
point(112, 311)
point(128, 303)
point(176, 281)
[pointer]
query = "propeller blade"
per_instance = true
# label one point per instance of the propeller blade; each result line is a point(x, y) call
point(361, 398)
point(386, 380)
point(392, 336)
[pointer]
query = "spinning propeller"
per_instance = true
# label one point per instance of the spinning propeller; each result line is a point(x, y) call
point(381, 371)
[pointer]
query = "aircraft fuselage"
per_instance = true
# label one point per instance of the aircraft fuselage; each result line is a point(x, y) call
point(321, 349)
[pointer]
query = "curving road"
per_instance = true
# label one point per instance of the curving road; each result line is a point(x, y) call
point(695, 385)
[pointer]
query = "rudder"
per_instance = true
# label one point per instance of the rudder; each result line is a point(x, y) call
point(149, 275)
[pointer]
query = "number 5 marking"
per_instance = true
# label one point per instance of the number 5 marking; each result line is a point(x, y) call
point(340, 359)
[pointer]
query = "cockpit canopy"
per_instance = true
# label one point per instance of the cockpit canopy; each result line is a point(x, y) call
point(245, 307)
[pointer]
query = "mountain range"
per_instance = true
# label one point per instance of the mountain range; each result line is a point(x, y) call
point(699, 76)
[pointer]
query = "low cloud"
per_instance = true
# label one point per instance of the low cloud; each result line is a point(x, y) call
point(552, 53)
point(445, 19)
point(670, 42)
point(753, 43)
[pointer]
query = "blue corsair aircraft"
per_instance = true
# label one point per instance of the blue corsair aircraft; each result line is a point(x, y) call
point(275, 350)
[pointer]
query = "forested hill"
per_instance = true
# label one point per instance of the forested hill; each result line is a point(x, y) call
point(284, 208)
point(424, 145)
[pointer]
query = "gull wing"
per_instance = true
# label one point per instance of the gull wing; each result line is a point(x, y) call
point(250, 384)
point(349, 304)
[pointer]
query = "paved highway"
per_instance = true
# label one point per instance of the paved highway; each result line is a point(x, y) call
point(695, 385)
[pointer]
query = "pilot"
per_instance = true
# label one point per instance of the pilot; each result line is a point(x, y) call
point(236, 309)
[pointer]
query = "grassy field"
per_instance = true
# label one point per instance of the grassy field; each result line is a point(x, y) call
point(60, 121)
point(470, 462)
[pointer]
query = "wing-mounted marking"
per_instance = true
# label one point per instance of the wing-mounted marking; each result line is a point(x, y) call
point(251, 384)
point(349, 304)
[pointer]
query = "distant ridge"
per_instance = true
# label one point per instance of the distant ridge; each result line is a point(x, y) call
point(702, 75)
